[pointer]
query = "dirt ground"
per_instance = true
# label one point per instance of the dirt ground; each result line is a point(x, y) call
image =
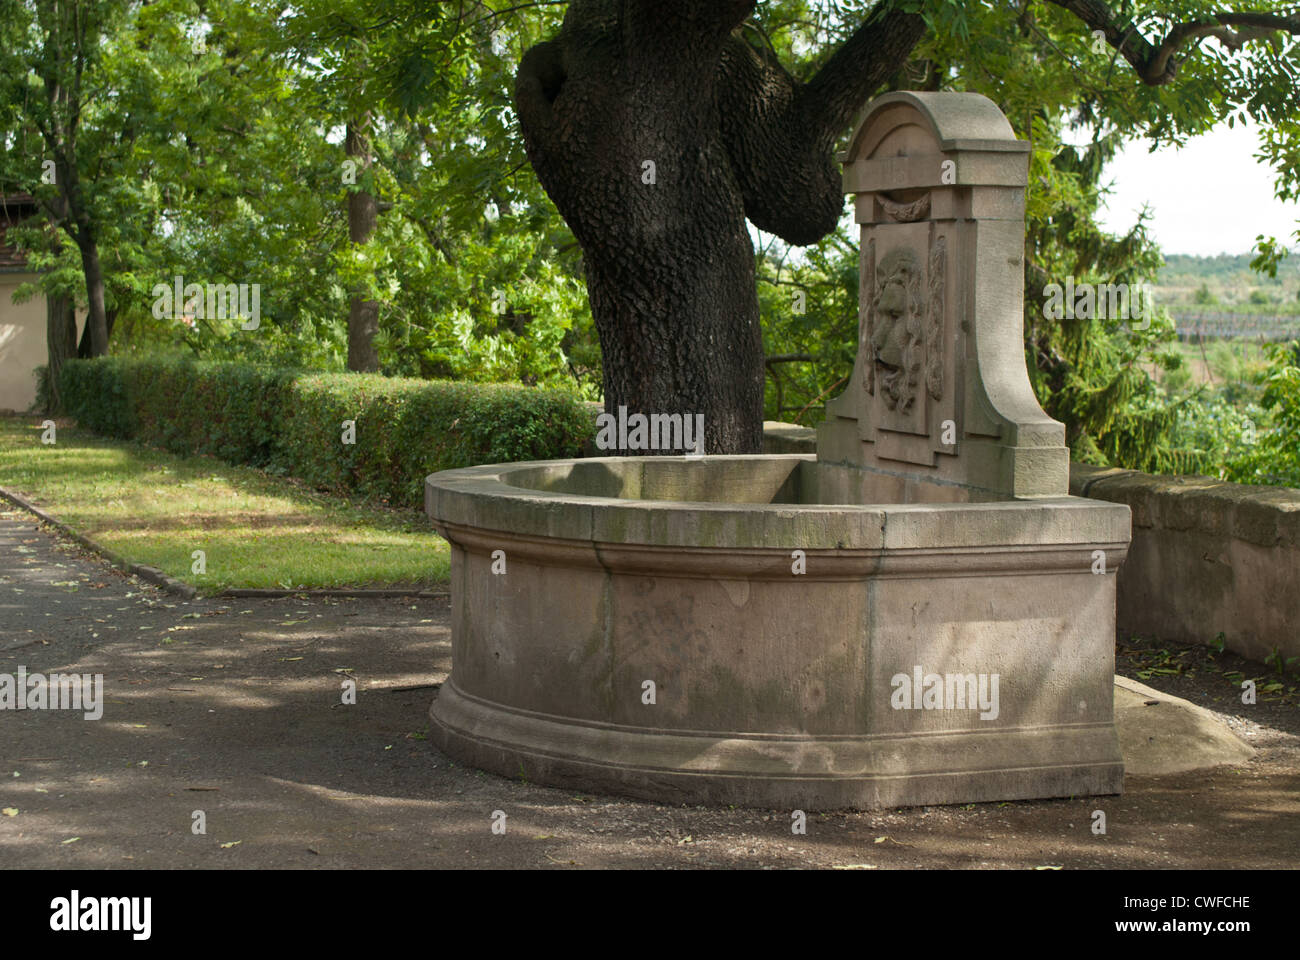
point(233, 708)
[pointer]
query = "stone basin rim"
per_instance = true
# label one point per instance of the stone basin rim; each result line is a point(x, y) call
point(484, 497)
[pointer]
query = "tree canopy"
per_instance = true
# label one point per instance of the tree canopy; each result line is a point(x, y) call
point(228, 142)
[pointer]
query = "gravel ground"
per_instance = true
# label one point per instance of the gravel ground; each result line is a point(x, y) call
point(232, 708)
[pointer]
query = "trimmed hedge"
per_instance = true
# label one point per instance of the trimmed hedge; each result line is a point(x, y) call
point(292, 422)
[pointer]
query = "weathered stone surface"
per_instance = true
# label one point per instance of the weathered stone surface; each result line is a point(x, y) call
point(1170, 735)
point(781, 437)
point(772, 685)
point(1208, 557)
point(908, 617)
point(939, 393)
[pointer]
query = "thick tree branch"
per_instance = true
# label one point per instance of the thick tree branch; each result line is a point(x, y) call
point(1157, 63)
point(877, 50)
point(779, 133)
point(537, 84)
point(1253, 26)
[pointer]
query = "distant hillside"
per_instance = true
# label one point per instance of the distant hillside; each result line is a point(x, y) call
point(1227, 282)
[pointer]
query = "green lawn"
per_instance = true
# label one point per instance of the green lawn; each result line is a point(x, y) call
point(256, 530)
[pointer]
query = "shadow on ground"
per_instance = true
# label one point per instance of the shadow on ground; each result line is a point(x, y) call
point(233, 708)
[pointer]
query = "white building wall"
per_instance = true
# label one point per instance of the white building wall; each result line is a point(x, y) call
point(22, 342)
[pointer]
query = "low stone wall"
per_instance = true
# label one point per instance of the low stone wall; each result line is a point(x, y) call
point(1207, 557)
point(781, 437)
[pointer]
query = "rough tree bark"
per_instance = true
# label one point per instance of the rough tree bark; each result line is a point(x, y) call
point(69, 208)
point(96, 317)
point(68, 212)
point(86, 349)
point(61, 344)
point(363, 215)
point(627, 84)
point(732, 136)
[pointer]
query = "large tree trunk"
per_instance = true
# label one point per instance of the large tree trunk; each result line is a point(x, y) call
point(68, 212)
point(97, 317)
point(85, 349)
point(69, 209)
point(657, 131)
point(61, 344)
point(363, 214)
point(680, 334)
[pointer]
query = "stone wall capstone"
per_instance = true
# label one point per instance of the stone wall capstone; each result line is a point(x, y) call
point(1207, 556)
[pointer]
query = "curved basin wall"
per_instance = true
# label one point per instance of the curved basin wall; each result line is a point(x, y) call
point(794, 479)
point(694, 629)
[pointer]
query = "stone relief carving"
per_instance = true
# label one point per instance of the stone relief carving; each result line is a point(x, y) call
point(905, 212)
point(936, 393)
point(934, 325)
point(903, 329)
point(866, 293)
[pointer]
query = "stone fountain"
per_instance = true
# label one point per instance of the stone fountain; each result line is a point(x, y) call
point(918, 614)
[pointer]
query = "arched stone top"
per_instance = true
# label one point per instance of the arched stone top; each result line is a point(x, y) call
point(903, 139)
point(955, 121)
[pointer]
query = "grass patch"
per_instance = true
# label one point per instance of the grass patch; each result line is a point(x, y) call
point(256, 530)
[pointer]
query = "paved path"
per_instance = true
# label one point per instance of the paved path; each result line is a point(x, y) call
point(233, 707)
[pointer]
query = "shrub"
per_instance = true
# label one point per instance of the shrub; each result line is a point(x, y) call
point(44, 402)
point(292, 422)
point(94, 392)
point(1273, 456)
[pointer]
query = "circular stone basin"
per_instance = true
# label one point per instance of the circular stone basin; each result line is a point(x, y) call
point(709, 630)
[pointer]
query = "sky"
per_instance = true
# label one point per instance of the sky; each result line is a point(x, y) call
point(1210, 197)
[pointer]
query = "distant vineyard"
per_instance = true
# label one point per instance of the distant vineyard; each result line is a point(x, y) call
point(1236, 326)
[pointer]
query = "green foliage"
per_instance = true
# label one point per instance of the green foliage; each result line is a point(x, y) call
point(44, 402)
point(222, 162)
point(95, 393)
point(1269, 255)
point(1216, 432)
point(1076, 104)
point(1273, 455)
point(809, 306)
point(292, 422)
point(226, 410)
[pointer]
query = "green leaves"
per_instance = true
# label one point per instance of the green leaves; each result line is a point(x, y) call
point(1077, 106)
point(1269, 255)
point(1272, 456)
point(291, 421)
